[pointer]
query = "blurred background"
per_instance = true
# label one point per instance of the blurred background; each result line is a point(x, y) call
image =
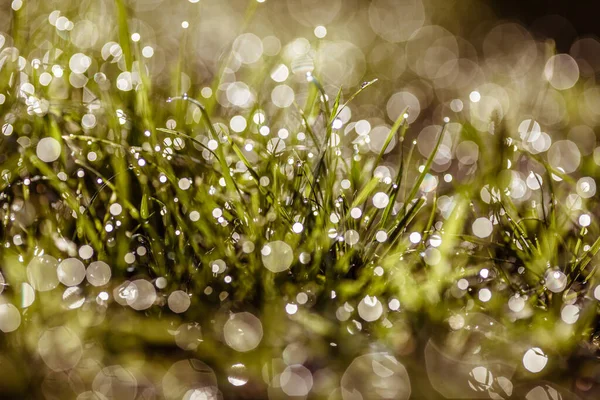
point(518, 70)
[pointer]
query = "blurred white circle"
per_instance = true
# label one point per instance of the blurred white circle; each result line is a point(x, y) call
point(277, 256)
point(570, 314)
point(48, 149)
point(375, 376)
point(71, 272)
point(60, 348)
point(179, 301)
point(41, 273)
point(98, 273)
point(556, 281)
point(10, 318)
point(243, 332)
point(561, 71)
point(398, 103)
point(534, 360)
point(248, 48)
point(140, 294)
point(396, 20)
point(370, 308)
point(482, 227)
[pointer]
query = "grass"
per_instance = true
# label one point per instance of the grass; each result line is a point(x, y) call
point(201, 201)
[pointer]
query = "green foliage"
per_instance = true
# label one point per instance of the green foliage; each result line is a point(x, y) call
point(169, 191)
